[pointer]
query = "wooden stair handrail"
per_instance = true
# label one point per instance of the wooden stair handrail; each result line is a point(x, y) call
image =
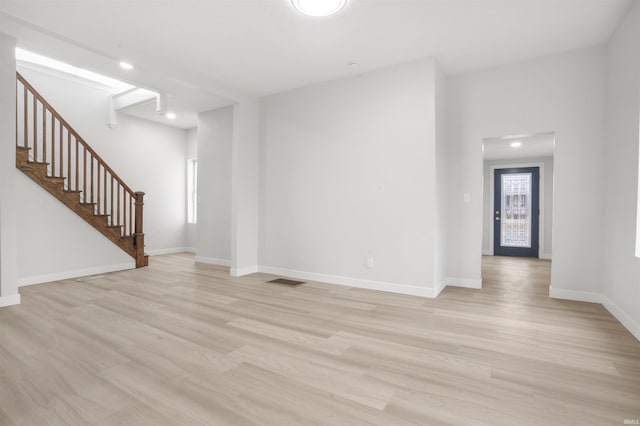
point(57, 115)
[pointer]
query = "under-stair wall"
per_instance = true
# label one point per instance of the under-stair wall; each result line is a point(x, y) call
point(58, 244)
point(53, 246)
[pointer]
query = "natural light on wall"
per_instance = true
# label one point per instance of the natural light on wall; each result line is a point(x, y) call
point(115, 86)
point(192, 191)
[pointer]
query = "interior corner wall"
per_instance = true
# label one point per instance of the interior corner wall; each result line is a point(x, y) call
point(191, 154)
point(622, 267)
point(148, 156)
point(348, 173)
point(8, 175)
point(562, 93)
point(547, 202)
point(215, 137)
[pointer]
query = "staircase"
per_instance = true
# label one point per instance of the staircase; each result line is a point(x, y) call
point(54, 156)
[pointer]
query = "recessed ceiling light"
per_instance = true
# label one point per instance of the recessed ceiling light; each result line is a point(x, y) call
point(126, 66)
point(318, 7)
point(353, 65)
point(170, 115)
point(516, 144)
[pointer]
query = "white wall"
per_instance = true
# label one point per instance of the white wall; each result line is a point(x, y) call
point(562, 93)
point(150, 157)
point(546, 198)
point(215, 136)
point(191, 154)
point(8, 175)
point(622, 268)
point(348, 172)
point(245, 165)
point(440, 247)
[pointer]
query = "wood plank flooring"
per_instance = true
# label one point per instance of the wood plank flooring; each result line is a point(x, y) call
point(180, 343)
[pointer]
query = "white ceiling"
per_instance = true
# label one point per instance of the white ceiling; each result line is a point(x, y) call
point(226, 49)
point(533, 146)
point(186, 114)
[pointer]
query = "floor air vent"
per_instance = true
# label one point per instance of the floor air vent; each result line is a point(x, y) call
point(291, 283)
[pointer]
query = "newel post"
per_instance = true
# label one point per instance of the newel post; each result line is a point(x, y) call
point(140, 259)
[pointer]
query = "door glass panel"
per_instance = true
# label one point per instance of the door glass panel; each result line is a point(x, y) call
point(515, 227)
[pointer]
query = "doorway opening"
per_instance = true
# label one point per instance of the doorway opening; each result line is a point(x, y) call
point(518, 209)
point(518, 195)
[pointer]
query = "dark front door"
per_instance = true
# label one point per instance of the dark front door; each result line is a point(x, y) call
point(516, 212)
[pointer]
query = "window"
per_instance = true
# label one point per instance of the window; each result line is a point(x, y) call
point(516, 210)
point(192, 191)
point(638, 200)
point(638, 207)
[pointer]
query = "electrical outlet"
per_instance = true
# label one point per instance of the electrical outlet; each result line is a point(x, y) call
point(370, 262)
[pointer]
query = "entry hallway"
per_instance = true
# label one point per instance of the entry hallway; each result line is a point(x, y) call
point(180, 343)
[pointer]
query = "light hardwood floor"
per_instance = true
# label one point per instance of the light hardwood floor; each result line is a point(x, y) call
point(180, 343)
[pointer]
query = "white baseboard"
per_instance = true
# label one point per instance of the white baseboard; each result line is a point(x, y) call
point(463, 282)
point(57, 276)
point(213, 261)
point(190, 250)
point(487, 252)
point(546, 256)
point(439, 287)
point(13, 299)
point(622, 316)
point(173, 250)
point(578, 296)
point(352, 282)
point(241, 272)
point(592, 297)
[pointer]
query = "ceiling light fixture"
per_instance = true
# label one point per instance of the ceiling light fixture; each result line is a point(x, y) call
point(170, 115)
point(318, 7)
point(126, 66)
point(516, 144)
